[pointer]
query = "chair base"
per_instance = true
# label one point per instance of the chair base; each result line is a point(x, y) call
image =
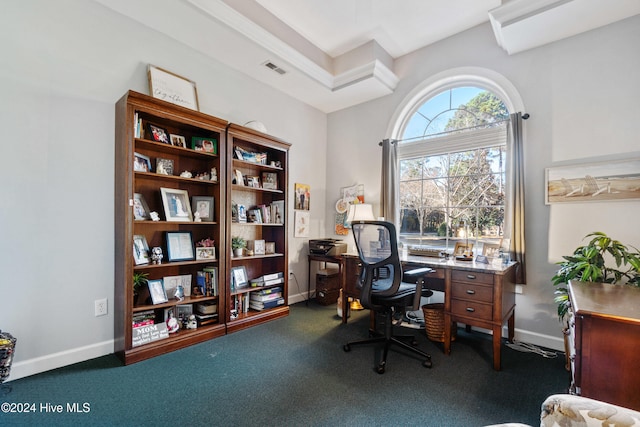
point(388, 339)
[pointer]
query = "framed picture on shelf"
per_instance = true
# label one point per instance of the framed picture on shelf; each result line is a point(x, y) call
point(205, 253)
point(202, 207)
point(173, 88)
point(180, 246)
point(157, 292)
point(164, 166)
point(238, 178)
point(242, 213)
point(253, 181)
point(176, 204)
point(270, 180)
point(158, 134)
point(140, 208)
point(269, 248)
point(208, 145)
point(239, 277)
point(140, 250)
point(141, 163)
point(178, 140)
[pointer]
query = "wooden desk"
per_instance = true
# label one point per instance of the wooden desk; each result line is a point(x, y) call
point(605, 342)
point(481, 295)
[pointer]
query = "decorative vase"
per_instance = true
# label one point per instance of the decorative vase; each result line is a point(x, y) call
point(237, 252)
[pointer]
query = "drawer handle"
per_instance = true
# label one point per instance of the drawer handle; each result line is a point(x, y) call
point(471, 291)
point(470, 309)
point(471, 276)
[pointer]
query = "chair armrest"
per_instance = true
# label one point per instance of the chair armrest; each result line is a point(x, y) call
point(568, 410)
point(418, 272)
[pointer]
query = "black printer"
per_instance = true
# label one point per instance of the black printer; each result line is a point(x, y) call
point(327, 247)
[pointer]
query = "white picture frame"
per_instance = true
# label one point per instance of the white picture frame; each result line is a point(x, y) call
point(176, 205)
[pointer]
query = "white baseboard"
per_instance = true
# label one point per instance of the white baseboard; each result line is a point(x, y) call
point(38, 365)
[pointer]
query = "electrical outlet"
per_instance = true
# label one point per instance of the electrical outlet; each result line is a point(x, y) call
point(101, 307)
point(291, 273)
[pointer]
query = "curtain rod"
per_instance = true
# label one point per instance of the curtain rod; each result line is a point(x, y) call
point(525, 116)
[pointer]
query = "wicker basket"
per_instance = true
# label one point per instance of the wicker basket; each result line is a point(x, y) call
point(7, 345)
point(434, 322)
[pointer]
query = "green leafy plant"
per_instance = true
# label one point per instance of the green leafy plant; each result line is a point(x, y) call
point(588, 263)
point(139, 280)
point(238, 242)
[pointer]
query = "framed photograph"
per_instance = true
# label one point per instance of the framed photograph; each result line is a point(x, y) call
point(178, 140)
point(239, 277)
point(238, 178)
point(462, 249)
point(140, 250)
point(176, 204)
point(172, 88)
point(157, 292)
point(208, 145)
point(202, 207)
point(140, 208)
point(491, 250)
point(180, 246)
point(593, 182)
point(269, 248)
point(158, 134)
point(205, 253)
point(171, 284)
point(253, 181)
point(242, 213)
point(141, 163)
point(258, 246)
point(270, 180)
point(164, 166)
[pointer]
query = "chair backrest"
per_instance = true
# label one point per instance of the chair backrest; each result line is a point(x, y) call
point(377, 245)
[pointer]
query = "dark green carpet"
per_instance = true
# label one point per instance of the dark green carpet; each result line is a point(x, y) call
point(293, 372)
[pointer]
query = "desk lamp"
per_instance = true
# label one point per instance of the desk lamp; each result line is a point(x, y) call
point(359, 212)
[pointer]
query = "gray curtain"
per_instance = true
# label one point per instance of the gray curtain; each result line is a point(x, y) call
point(516, 196)
point(388, 193)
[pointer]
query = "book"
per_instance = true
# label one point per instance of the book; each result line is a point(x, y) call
point(268, 291)
point(266, 304)
point(273, 282)
point(273, 276)
point(268, 297)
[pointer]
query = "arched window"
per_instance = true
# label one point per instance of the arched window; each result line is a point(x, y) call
point(451, 169)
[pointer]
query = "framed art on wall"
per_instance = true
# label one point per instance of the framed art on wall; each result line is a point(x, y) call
point(593, 182)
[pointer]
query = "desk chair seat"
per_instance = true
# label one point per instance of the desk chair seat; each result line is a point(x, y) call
point(386, 289)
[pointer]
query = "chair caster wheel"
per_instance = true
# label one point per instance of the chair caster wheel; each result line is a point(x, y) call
point(346, 348)
point(380, 369)
point(427, 363)
point(414, 343)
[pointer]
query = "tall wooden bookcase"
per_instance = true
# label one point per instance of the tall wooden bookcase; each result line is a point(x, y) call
point(134, 111)
point(257, 182)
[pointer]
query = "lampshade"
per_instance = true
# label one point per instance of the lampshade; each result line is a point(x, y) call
point(360, 212)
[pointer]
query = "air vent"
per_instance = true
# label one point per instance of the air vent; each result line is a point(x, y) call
point(274, 67)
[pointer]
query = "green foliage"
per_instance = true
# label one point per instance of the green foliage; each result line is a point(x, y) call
point(589, 264)
point(238, 242)
point(483, 109)
point(139, 280)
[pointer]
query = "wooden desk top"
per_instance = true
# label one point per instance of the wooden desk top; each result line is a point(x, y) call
point(606, 300)
point(452, 264)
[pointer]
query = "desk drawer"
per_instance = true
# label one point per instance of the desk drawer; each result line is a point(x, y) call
point(471, 277)
point(471, 309)
point(472, 292)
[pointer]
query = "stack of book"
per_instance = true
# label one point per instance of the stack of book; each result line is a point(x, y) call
point(144, 318)
point(206, 313)
point(267, 280)
point(266, 298)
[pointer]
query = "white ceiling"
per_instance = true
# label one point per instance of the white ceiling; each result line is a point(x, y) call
point(339, 53)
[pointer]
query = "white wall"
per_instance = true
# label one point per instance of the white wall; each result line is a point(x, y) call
point(63, 65)
point(582, 94)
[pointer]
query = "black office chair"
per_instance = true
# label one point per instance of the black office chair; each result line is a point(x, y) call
point(384, 287)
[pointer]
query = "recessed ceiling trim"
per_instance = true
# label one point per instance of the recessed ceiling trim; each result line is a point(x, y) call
point(224, 13)
point(375, 70)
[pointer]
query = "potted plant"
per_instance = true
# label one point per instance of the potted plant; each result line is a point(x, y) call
point(593, 263)
point(139, 280)
point(238, 244)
